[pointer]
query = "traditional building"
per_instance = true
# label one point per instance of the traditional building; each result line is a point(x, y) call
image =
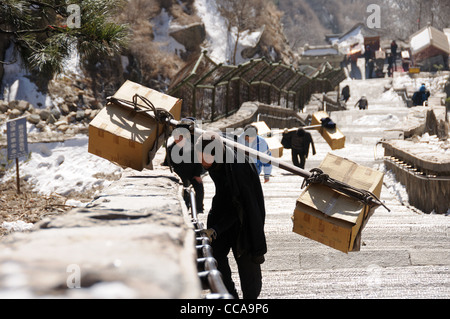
point(430, 47)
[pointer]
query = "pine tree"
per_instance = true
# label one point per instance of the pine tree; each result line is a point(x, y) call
point(45, 31)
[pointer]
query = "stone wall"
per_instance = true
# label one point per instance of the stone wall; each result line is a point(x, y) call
point(421, 164)
point(133, 241)
point(274, 116)
point(429, 194)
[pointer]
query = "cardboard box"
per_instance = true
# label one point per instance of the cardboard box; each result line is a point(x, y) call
point(380, 55)
point(333, 137)
point(124, 136)
point(331, 218)
point(275, 147)
point(262, 127)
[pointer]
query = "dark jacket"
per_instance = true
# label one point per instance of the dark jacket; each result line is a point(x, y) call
point(362, 104)
point(419, 97)
point(238, 205)
point(394, 47)
point(299, 143)
point(189, 167)
point(346, 92)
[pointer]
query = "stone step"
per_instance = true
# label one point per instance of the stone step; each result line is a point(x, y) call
point(347, 118)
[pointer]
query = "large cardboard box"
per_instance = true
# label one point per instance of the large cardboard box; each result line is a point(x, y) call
point(333, 137)
point(124, 136)
point(331, 218)
point(275, 147)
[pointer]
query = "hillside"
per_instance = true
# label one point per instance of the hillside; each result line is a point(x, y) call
point(308, 21)
point(165, 34)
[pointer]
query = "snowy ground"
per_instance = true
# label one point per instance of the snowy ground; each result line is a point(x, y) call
point(64, 168)
point(435, 84)
point(52, 168)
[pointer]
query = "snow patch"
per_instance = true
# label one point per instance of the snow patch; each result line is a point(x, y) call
point(396, 188)
point(162, 25)
point(64, 168)
point(19, 226)
point(379, 121)
point(16, 84)
point(220, 42)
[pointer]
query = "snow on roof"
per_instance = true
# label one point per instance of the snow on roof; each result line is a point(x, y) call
point(354, 38)
point(320, 51)
point(359, 30)
point(429, 36)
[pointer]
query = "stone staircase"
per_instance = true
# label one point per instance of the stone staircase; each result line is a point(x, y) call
point(404, 253)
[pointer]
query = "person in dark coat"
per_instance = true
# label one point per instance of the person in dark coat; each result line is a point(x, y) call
point(299, 141)
point(181, 157)
point(345, 93)
point(237, 216)
point(370, 67)
point(368, 54)
point(394, 48)
point(362, 103)
point(391, 61)
point(421, 96)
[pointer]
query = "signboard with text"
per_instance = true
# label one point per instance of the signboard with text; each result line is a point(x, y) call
point(16, 132)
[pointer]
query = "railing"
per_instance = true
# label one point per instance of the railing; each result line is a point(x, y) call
point(209, 276)
point(427, 190)
point(210, 91)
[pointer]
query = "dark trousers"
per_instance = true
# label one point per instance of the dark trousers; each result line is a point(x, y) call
point(296, 154)
point(249, 272)
point(199, 194)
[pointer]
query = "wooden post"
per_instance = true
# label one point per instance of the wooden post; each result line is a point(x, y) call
point(17, 176)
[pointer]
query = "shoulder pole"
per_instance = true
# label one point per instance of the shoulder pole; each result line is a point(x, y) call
point(315, 176)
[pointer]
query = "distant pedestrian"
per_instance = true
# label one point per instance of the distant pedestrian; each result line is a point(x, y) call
point(368, 54)
point(370, 66)
point(345, 93)
point(421, 96)
point(251, 139)
point(391, 62)
point(362, 103)
point(394, 48)
point(299, 141)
